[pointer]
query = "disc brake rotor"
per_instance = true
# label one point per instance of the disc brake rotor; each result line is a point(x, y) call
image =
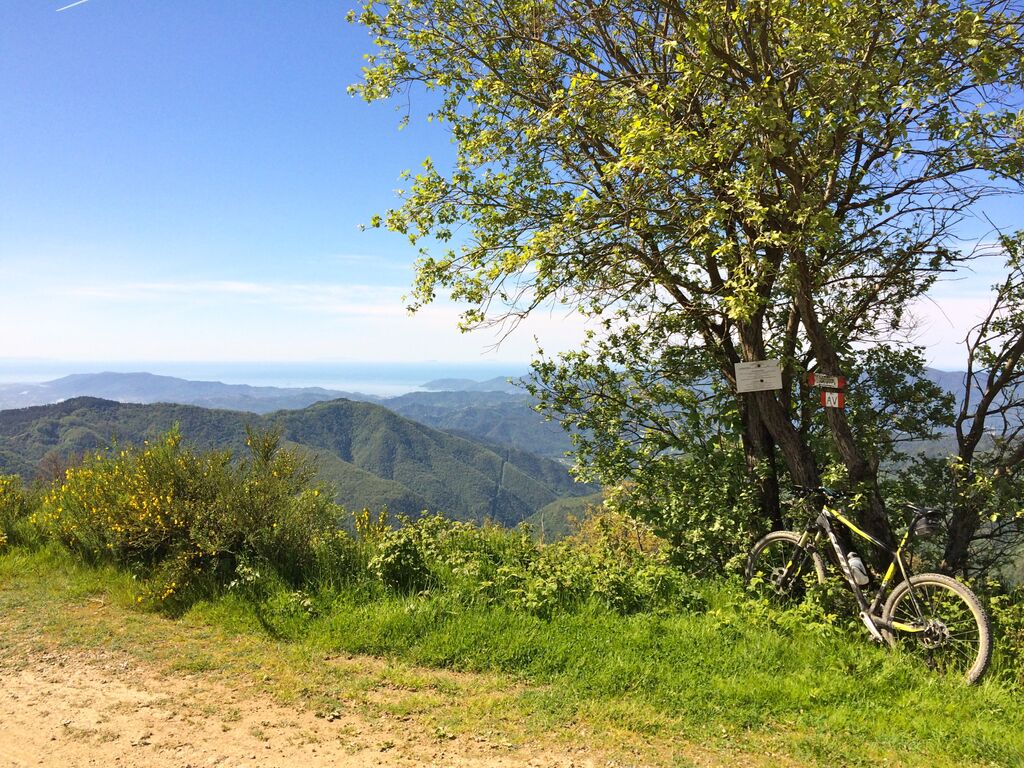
point(778, 577)
point(936, 634)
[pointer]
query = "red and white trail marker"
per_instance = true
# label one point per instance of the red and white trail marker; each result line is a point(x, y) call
point(833, 399)
point(824, 380)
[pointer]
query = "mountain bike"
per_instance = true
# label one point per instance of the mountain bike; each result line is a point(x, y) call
point(929, 615)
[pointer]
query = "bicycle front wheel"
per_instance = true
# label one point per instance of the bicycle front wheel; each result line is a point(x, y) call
point(779, 568)
point(951, 631)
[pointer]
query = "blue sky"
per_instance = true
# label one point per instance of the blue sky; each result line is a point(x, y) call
point(185, 181)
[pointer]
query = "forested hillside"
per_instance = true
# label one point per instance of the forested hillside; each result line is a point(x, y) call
point(494, 411)
point(495, 417)
point(371, 456)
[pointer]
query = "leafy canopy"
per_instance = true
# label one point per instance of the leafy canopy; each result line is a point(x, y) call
point(710, 182)
point(691, 158)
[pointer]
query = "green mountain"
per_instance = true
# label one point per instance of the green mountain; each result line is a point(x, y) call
point(557, 519)
point(373, 457)
point(497, 418)
point(493, 411)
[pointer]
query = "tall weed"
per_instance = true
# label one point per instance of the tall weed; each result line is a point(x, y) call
point(490, 565)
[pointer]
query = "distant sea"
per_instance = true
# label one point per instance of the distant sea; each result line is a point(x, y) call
point(381, 379)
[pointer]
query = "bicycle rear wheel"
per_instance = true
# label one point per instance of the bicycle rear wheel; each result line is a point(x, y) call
point(955, 636)
point(780, 569)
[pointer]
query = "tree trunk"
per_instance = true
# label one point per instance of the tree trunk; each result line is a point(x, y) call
point(795, 452)
point(762, 469)
point(767, 420)
point(962, 528)
point(862, 473)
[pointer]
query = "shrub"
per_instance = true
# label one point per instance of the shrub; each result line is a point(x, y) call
point(465, 558)
point(703, 504)
point(193, 522)
point(399, 562)
point(1006, 607)
point(187, 520)
point(338, 559)
point(615, 562)
point(13, 509)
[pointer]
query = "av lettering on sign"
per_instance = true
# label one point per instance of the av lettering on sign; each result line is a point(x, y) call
point(758, 376)
point(833, 399)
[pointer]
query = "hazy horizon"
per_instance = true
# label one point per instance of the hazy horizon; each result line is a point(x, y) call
point(366, 377)
point(27, 370)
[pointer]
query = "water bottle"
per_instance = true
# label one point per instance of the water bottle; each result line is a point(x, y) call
point(857, 569)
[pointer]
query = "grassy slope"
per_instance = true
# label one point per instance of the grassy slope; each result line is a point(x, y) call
point(733, 685)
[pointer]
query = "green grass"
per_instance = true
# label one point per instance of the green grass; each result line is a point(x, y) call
point(736, 679)
point(837, 698)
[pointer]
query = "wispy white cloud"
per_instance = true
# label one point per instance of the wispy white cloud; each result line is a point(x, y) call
point(330, 299)
point(942, 325)
point(956, 304)
point(72, 5)
point(229, 320)
point(156, 290)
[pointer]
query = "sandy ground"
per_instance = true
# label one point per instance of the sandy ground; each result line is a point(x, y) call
point(99, 709)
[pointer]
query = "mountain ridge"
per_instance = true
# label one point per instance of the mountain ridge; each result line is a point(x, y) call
point(144, 387)
point(373, 456)
point(494, 411)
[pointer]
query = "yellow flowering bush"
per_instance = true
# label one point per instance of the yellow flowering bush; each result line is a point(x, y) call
point(186, 520)
point(13, 508)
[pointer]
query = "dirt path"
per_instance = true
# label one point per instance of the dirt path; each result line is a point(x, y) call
point(99, 709)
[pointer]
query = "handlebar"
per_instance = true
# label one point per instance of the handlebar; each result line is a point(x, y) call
point(803, 491)
point(926, 520)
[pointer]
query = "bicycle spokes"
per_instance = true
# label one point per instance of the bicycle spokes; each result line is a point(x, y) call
point(946, 633)
point(779, 568)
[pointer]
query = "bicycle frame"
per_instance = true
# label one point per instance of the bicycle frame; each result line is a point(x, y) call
point(869, 611)
point(929, 615)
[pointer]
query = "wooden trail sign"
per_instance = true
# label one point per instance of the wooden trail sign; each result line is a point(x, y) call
point(758, 376)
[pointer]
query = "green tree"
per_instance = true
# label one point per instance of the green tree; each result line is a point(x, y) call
point(988, 469)
point(715, 181)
